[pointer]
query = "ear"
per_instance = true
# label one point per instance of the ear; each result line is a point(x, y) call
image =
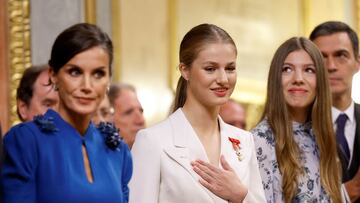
point(184, 70)
point(52, 75)
point(357, 64)
point(22, 109)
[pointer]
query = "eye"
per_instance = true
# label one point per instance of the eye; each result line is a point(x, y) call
point(49, 103)
point(209, 68)
point(129, 112)
point(74, 71)
point(342, 55)
point(286, 69)
point(99, 74)
point(310, 69)
point(230, 68)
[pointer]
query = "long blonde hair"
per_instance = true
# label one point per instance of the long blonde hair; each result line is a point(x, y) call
point(278, 116)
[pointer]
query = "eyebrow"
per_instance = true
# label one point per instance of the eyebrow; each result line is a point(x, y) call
point(337, 51)
point(307, 64)
point(215, 63)
point(76, 66)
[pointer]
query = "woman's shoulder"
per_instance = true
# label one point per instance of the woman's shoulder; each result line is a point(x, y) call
point(158, 128)
point(25, 130)
point(110, 136)
point(41, 124)
point(263, 133)
point(262, 129)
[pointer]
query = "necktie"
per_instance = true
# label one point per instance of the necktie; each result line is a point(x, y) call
point(340, 135)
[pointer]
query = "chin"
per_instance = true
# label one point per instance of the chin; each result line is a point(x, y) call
point(85, 111)
point(218, 103)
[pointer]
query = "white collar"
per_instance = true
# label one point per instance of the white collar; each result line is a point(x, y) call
point(349, 112)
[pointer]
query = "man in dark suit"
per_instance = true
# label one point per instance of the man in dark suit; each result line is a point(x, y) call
point(339, 46)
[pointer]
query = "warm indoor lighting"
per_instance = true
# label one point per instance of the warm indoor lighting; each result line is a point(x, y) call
point(356, 88)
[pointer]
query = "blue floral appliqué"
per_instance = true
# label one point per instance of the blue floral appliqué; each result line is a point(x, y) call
point(111, 134)
point(46, 124)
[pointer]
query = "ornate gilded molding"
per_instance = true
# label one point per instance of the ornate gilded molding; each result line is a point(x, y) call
point(116, 38)
point(20, 54)
point(90, 11)
point(356, 15)
point(173, 32)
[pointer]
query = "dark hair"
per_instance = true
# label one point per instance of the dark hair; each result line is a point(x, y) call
point(76, 39)
point(116, 89)
point(25, 90)
point(332, 27)
point(192, 43)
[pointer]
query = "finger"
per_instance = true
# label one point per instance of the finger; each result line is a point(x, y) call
point(209, 166)
point(206, 169)
point(203, 175)
point(209, 170)
point(226, 166)
point(206, 185)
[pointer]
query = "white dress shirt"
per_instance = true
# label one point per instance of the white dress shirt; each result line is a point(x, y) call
point(350, 125)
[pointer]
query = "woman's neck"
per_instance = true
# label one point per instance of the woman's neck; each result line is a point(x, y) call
point(78, 121)
point(299, 115)
point(203, 119)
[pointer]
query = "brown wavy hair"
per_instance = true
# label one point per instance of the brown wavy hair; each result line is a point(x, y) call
point(192, 43)
point(278, 116)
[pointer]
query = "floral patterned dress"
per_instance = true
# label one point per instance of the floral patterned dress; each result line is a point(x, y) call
point(309, 187)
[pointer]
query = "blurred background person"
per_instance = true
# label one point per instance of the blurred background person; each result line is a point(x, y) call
point(128, 112)
point(104, 112)
point(339, 45)
point(234, 114)
point(35, 94)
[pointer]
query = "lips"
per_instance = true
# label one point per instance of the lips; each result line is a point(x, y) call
point(334, 80)
point(85, 100)
point(297, 90)
point(220, 92)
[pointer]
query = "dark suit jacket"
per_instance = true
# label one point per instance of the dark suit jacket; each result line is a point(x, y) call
point(349, 173)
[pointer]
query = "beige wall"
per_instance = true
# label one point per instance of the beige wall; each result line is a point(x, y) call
point(151, 32)
point(144, 58)
point(147, 33)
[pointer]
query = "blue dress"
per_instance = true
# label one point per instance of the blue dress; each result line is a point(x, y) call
point(309, 187)
point(46, 165)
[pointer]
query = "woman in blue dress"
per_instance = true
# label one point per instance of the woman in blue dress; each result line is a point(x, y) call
point(295, 142)
point(61, 156)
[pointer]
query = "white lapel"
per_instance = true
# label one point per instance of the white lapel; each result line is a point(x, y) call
point(183, 140)
point(187, 147)
point(227, 149)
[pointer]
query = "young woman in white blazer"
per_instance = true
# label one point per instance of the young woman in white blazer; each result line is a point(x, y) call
point(172, 160)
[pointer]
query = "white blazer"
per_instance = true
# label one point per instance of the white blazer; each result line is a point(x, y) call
point(162, 170)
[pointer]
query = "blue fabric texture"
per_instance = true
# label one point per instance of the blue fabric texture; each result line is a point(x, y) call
point(44, 163)
point(309, 187)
